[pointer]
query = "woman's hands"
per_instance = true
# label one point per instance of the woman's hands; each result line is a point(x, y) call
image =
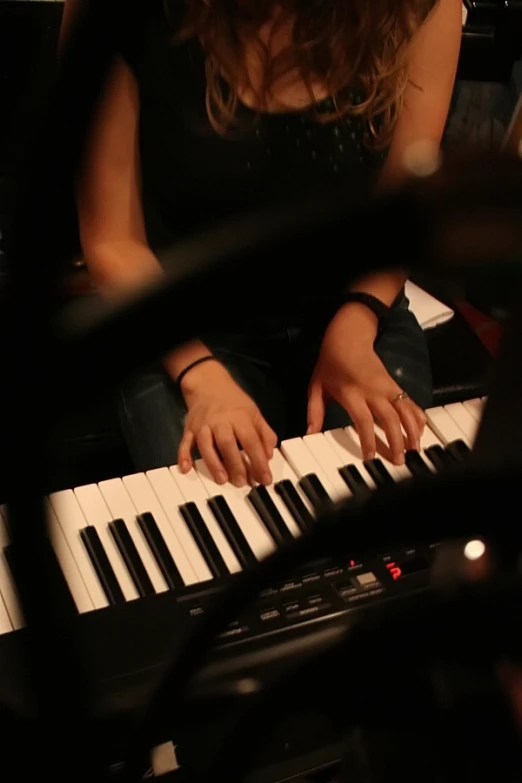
point(349, 371)
point(221, 420)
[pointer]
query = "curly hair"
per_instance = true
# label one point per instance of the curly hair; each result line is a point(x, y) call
point(356, 49)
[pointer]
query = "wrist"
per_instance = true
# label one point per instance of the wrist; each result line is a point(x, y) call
point(363, 322)
point(202, 377)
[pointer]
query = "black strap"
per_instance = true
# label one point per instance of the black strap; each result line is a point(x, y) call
point(381, 310)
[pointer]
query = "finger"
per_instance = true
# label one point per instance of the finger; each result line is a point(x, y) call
point(254, 449)
point(209, 455)
point(226, 441)
point(185, 451)
point(315, 411)
point(410, 423)
point(268, 438)
point(390, 422)
point(362, 419)
point(420, 416)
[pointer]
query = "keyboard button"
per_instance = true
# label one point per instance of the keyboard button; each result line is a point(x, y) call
point(347, 445)
point(367, 580)
point(303, 463)
point(439, 458)
point(475, 408)
point(282, 471)
point(354, 480)
point(379, 472)
point(458, 450)
point(416, 464)
point(10, 595)
point(444, 426)
point(129, 553)
point(330, 462)
point(464, 420)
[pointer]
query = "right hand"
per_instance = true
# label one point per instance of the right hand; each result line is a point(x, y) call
point(221, 419)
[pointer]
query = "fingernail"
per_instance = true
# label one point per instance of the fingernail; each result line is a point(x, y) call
point(239, 480)
point(266, 479)
point(400, 459)
point(185, 466)
point(371, 455)
point(221, 477)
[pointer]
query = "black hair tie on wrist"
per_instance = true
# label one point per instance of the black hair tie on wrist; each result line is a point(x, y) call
point(191, 366)
point(377, 307)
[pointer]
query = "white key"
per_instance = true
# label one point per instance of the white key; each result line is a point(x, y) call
point(463, 419)
point(145, 500)
point(10, 595)
point(444, 427)
point(349, 450)
point(121, 507)
point(475, 408)
point(464, 15)
point(170, 497)
point(3, 527)
point(396, 471)
point(5, 621)
point(98, 515)
point(257, 536)
point(74, 580)
point(428, 438)
point(71, 520)
point(193, 489)
point(330, 462)
point(303, 462)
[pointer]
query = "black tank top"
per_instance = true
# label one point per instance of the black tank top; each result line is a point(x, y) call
point(191, 175)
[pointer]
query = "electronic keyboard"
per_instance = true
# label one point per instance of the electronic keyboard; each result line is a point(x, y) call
point(140, 557)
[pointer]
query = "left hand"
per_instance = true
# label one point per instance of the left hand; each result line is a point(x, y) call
point(349, 371)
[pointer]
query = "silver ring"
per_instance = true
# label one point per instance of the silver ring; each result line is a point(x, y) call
point(400, 397)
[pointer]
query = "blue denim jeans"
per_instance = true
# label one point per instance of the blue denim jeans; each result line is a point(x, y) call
point(272, 361)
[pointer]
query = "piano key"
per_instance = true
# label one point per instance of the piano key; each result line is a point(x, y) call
point(354, 481)
point(193, 490)
point(160, 550)
point(71, 520)
point(121, 506)
point(232, 531)
point(255, 533)
point(439, 458)
point(379, 472)
point(416, 464)
point(293, 501)
point(102, 565)
point(145, 499)
point(383, 452)
point(444, 427)
point(303, 463)
point(268, 512)
point(73, 577)
point(464, 420)
point(98, 516)
point(171, 498)
point(348, 447)
point(330, 463)
point(129, 553)
point(458, 450)
point(281, 471)
point(9, 594)
point(475, 407)
point(6, 626)
point(202, 537)
point(315, 491)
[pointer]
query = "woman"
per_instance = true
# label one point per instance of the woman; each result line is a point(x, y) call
point(214, 106)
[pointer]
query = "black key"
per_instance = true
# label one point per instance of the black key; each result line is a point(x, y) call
point(131, 557)
point(204, 540)
point(232, 531)
point(265, 507)
point(160, 550)
point(416, 464)
point(379, 472)
point(314, 491)
point(101, 565)
point(58, 585)
point(353, 480)
point(290, 497)
point(439, 458)
point(458, 451)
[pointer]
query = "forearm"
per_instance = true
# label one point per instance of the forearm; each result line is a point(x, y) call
point(120, 269)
